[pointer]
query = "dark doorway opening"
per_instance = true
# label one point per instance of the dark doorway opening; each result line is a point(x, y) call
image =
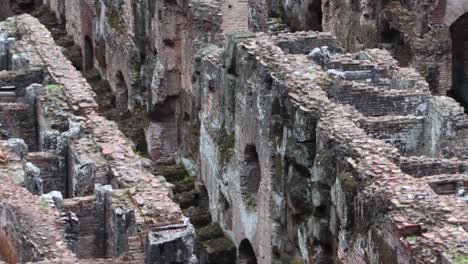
point(122, 92)
point(391, 39)
point(88, 63)
point(246, 253)
point(314, 18)
point(251, 178)
point(101, 53)
point(459, 34)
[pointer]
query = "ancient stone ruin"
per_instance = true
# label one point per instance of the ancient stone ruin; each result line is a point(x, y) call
point(223, 132)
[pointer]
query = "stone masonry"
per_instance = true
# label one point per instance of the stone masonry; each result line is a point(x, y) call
point(234, 131)
point(108, 205)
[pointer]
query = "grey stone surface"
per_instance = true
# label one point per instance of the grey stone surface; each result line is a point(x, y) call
point(19, 147)
point(33, 180)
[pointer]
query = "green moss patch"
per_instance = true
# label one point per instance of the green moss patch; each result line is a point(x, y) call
point(349, 183)
point(185, 184)
point(250, 202)
point(53, 87)
point(218, 245)
point(115, 20)
point(460, 258)
point(210, 231)
point(226, 142)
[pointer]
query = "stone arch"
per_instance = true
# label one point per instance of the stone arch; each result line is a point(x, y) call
point(454, 10)
point(246, 253)
point(88, 55)
point(251, 178)
point(121, 89)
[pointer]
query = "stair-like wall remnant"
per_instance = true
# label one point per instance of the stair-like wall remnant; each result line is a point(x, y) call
point(306, 153)
point(82, 151)
point(331, 188)
point(29, 228)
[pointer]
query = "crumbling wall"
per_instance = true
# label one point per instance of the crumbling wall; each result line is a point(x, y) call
point(315, 200)
point(417, 33)
point(304, 158)
point(27, 222)
point(90, 150)
point(15, 248)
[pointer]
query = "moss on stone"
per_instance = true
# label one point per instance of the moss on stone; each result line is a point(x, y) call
point(459, 258)
point(226, 142)
point(131, 123)
point(115, 20)
point(185, 184)
point(250, 202)
point(218, 245)
point(209, 232)
point(349, 184)
point(53, 87)
point(296, 261)
point(44, 205)
point(15, 174)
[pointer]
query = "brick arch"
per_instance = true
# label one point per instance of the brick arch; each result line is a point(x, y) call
point(246, 253)
point(454, 9)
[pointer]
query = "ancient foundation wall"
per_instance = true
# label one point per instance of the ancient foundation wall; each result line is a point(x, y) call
point(52, 177)
point(90, 151)
point(312, 189)
point(89, 232)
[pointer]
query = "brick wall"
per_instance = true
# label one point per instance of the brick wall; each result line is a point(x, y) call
point(53, 179)
point(90, 240)
point(235, 15)
point(17, 120)
point(161, 138)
